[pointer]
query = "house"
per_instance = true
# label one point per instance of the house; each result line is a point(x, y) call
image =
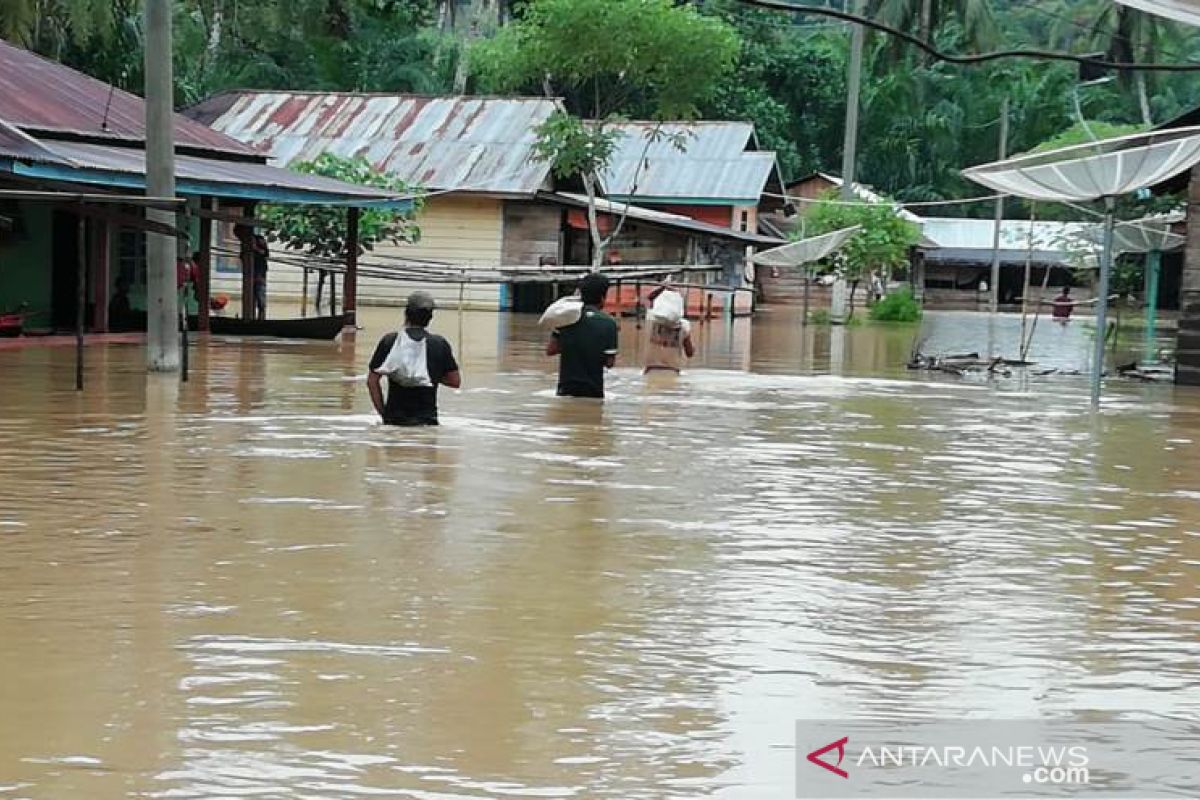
point(709, 171)
point(787, 286)
point(957, 258)
point(68, 142)
point(488, 200)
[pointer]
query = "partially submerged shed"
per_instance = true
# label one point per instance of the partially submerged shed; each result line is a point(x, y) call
point(67, 133)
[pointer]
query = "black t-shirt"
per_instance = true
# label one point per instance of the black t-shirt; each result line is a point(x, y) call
point(415, 405)
point(585, 348)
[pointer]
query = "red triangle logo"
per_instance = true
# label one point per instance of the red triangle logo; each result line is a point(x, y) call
point(840, 746)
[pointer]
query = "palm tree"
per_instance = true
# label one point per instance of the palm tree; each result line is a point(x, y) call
point(1129, 35)
point(925, 18)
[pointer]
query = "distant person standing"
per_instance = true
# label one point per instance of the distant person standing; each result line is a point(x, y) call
point(414, 362)
point(261, 255)
point(1063, 305)
point(587, 347)
point(670, 334)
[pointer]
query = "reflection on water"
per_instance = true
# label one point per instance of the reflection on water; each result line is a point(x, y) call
point(243, 586)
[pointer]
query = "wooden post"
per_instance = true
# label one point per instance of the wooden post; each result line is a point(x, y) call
point(637, 306)
point(100, 275)
point(80, 298)
point(204, 267)
point(708, 307)
point(247, 254)
point(1187, 342)
point(1153, 268)
point(304, 294)
point(333, 294)
point(350, 285)
point(807, 282)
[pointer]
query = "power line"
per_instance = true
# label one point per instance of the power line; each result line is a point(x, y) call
point(977, 58)
point(1038, 9)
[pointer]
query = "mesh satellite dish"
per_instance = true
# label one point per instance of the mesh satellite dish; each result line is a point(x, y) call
point(1100, 170)
point(805, 251)
point(1145, 235)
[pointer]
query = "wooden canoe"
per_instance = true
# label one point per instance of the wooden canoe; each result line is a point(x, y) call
point(299, 328)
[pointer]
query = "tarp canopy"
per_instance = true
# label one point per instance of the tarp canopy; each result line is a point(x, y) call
point(805, 251)
point(1185, 11)
point(1106, 168)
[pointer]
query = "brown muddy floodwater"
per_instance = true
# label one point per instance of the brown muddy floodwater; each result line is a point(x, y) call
point(243, 586)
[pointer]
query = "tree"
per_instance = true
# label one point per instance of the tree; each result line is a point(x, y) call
point(1130, 35)
point(605, 58)
point(882, 244)
point(975, 18)
point(789, 81)
point(321, 230)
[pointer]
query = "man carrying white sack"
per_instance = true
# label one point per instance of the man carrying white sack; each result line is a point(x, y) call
point(670, 333)
point(414, 362)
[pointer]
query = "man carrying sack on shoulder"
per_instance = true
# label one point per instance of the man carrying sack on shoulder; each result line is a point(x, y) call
point(414, 361)
point(670, 333)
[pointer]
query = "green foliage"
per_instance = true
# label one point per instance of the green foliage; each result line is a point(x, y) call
point(1079, 134)
point(819, 316)
point(898, 306)
point(883, 243)
point(357, 45)
point(607, 58)
point(789, 81)
point(610, 56)
point(321, 230)
point(573, 146)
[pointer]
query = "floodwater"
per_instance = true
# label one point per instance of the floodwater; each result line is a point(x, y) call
point(243, 586)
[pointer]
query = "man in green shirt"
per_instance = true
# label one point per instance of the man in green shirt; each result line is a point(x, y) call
point(587, 347)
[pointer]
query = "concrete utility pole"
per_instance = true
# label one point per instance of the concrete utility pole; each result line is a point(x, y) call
point(853, 86)
point(999, 216)
point(162, 299)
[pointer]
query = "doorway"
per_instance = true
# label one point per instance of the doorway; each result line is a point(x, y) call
point(64, 276)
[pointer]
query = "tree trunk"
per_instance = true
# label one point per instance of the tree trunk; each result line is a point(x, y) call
point(212, 48)
point(1143, 98)
point(850, 301)
point(598, 242)
point(925, 29)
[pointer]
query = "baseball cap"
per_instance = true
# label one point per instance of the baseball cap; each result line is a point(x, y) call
point(420, 300)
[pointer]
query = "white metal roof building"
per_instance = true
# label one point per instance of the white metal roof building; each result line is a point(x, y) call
point(700, 163)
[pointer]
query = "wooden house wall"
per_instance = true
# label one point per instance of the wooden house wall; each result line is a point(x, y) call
point(455, 229)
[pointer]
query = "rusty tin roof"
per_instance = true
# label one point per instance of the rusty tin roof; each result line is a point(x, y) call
point(468, 144)
point(40, 95)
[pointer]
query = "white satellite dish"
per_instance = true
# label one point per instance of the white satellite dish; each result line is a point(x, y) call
point(1100, 170)
point(805, 251)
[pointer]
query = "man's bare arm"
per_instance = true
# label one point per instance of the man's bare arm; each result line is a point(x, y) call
point(453, 379)
point(375, 389)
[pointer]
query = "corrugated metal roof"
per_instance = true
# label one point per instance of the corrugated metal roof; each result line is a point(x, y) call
point(16, 144)
point(741, 179)
point(470, 144)
point(125, 166)
point(39, 94)
point(1015, 234)
point(710, 163)
point(866, 194)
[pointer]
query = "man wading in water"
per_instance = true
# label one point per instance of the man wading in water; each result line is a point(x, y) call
point(670, 334)
point(587, 347)
point(414, 362)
